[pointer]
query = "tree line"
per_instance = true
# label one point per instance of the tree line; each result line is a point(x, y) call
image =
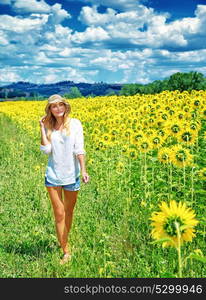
point(178, 81)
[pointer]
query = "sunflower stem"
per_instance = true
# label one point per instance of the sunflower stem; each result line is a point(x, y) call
point(170, 169)
point(145, 175)
point(192, 178)
point(192, 182)
point(179, 250)
point(184, 177)
point(129, 190)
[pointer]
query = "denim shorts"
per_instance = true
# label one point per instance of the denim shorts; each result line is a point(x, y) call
point(68, 187)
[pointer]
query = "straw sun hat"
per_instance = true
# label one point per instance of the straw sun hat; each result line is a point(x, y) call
point(54, 99)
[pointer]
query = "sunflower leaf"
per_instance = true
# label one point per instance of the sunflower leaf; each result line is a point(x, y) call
point(198, 257)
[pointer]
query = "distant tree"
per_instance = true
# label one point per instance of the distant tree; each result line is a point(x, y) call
point(74, 92)
point(127, 90)
point(132, 89)
point(110, 92)
point(186, 81)
point(16, 93)
point(92, 95)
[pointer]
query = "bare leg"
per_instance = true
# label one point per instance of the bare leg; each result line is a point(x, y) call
point(55, 194)
point(70, 198)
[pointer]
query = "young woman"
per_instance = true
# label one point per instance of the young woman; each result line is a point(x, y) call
point(62, 139)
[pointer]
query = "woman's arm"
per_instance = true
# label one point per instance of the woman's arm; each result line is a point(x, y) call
point(44, 140)
point(80, 151)
point(85, 176)
point(45, 144)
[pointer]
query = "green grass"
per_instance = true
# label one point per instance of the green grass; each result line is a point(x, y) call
point(110, 236)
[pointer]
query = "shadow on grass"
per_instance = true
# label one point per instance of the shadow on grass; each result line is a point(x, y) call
point(35, 248)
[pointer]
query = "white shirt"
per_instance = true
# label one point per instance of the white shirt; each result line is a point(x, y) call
point(63, 165)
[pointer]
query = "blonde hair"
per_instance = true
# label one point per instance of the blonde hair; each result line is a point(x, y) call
point(50, 120)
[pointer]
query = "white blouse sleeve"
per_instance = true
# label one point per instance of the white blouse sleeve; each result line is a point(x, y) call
point(46, 148)
point(79, 139)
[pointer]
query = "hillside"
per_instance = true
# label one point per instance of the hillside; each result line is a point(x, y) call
point(27, 89)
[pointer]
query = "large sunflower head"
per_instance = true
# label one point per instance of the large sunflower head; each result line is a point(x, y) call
point(164, 223)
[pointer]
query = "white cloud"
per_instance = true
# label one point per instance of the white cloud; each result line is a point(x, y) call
point(90, 16)
point(126, 27)
point(58, 37)
point(91, 34)
point(198, 56)
point(50, 78)
point(31, 6)
point(21, 25)
point(41, 58)
point(116, 60)
point(3, 39)
point(120, 4)
point(57, 14)
point(144, 27)
point(132, 45)
point(9, 75)
point(53, 75)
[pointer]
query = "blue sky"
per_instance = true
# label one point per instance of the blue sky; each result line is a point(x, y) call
point(125, 41)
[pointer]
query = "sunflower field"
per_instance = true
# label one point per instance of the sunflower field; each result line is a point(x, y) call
point(144, 207)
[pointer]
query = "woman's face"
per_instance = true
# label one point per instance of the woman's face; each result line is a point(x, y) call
point(58, 109)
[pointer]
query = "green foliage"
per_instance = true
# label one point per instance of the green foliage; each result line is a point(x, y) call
point(187, 81)
point(92, 95)
point(178, 81)
point(74, 92)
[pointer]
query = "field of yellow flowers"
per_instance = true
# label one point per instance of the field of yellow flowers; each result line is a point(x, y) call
point(146, 157)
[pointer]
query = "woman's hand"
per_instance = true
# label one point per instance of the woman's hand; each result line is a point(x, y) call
point(85, 177)
point(41, 121)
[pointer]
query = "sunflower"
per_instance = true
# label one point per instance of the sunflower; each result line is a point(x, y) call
point(101, 145)
point(187, 136)
point(173, 127)
point(127, 134)
point(136, 137)
point(156, 140)
point(164, 116)
point(114, 136)
point(161, 132)
point(164, 155)
point(181, 156)
point(132, 153)
point(195, 126)
point(144, 145)
point(163, 223)
point(106, 138)
point(120, 167)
